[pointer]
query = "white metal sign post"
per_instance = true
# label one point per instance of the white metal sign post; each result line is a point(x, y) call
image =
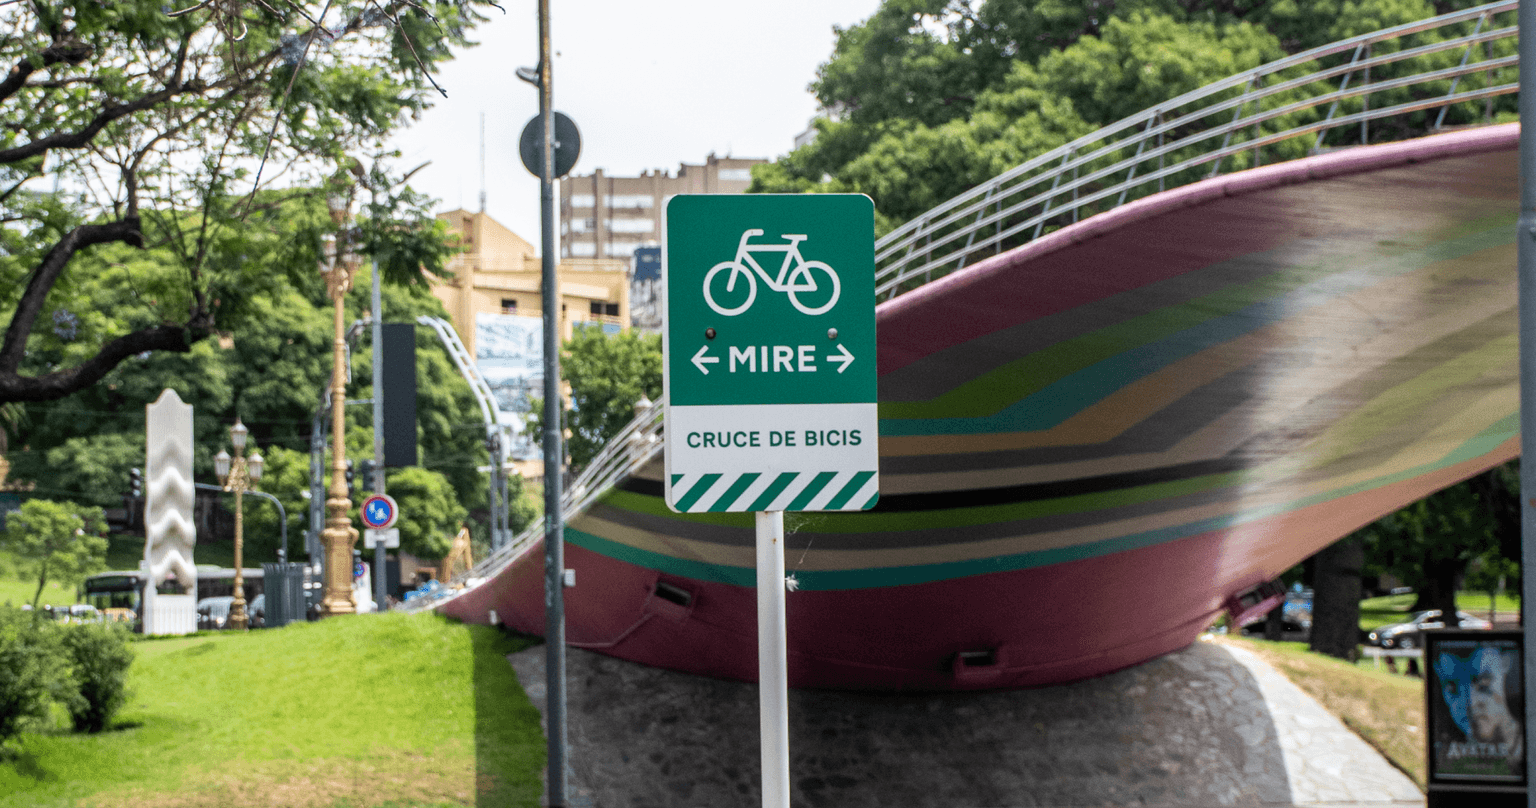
point(769, 371)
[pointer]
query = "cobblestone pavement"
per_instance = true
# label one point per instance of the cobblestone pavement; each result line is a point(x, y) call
point(1211, 725)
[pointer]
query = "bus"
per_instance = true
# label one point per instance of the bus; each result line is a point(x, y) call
point(119, 595)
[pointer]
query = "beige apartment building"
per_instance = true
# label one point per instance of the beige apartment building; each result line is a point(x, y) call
point(499, 274)
point(609, 217)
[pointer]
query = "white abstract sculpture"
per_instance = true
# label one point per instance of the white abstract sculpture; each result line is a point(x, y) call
point(169, 532)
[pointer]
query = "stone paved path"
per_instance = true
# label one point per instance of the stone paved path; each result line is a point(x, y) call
point(1210, 725)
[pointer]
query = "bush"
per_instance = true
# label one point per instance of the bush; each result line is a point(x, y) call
point(100, 655)
point(34, 671)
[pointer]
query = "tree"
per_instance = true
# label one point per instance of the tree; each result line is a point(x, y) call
point(927, 98)
point(910, 157)
point(1336, 598)
point(607, 375)
point(272, 370)
point(62, 539)
point(1429, 544)
point(163, 128)
point(286, 477)
point(430, 515)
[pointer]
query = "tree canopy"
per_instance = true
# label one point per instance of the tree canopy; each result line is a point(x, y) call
point(608, 374)
point(61, 540)
point(928, 98)
point(143, 125)
point(272, 371)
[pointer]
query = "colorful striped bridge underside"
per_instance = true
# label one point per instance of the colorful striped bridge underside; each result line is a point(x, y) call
point(1090, 442)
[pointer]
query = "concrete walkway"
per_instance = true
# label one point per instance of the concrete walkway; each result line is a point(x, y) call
point(1211, 725)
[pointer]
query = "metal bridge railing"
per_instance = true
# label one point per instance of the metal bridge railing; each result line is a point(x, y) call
point(633, 447)
point(1268, 110)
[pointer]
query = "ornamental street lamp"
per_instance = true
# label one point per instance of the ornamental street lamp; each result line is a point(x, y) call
point(338, 264)
point(238, 474)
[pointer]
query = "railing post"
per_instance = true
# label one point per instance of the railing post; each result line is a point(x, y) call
point(1054, 183)
point(1365, 101)
point(1332, 108)
point(1440, 119)
point(1226, 139)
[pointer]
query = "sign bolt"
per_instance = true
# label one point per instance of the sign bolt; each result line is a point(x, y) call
point(709, 333)
point(831, 333)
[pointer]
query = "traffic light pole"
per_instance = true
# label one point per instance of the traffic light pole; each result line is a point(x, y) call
point(379, 591)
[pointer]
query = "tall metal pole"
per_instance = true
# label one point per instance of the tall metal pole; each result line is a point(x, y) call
point(377, 311)
point(772, 660)
point(1526, 239)
point(554, 453)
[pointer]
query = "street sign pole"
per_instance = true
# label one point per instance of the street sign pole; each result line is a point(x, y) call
point(554, 452)
point(772, 659)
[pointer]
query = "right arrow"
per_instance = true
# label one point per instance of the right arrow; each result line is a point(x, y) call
point(846, 358)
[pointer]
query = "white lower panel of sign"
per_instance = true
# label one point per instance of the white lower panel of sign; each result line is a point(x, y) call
point(760, 457)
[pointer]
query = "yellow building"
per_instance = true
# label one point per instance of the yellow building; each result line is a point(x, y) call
point(493, 293)
point(499, 275)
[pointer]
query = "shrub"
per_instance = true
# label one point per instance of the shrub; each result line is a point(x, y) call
point(100, 654)
point(33, 670)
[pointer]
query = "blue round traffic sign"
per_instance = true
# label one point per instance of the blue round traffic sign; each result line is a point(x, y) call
point(380, 511)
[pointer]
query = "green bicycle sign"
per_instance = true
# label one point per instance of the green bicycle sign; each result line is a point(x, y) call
point(770, 352)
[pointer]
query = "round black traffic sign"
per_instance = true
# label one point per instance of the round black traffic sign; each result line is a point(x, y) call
point(567, 145)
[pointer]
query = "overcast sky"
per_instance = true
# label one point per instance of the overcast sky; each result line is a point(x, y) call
point(649, 84)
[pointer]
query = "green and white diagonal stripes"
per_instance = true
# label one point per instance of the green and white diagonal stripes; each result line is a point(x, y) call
point(787, 491)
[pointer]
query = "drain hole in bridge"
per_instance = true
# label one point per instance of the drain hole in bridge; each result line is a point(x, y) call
point(977, 659)
point(673, 593)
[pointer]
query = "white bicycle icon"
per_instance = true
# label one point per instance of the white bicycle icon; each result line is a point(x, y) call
point(795, 276)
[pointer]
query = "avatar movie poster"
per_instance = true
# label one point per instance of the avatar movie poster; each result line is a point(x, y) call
point(1476, 707)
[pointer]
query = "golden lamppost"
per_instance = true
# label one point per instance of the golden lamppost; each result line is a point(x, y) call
point(238, 474)
point(339, 536)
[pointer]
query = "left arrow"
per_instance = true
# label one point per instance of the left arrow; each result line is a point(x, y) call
point(700, 359)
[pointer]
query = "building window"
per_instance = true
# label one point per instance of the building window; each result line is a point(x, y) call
point(630, 200)
point(509, 305)
point(583, 249)
point(735, 175)
point(631, 225)
point(581, 200)
point(597, 308)
point(611, 309)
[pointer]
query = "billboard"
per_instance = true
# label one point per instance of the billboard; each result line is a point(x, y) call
point(645, 289)
point(509, 352)
point(1476, 708)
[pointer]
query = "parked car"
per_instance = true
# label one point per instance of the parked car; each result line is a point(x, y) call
point(1410, 634)
point(77, 613)
point(213, 613)
point(1295, 614)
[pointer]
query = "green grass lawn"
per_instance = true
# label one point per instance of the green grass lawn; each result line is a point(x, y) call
point(16, 592)
point(1386, 709)
point(392, 710)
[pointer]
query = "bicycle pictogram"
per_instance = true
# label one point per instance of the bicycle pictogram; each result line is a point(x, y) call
point(795, 277)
